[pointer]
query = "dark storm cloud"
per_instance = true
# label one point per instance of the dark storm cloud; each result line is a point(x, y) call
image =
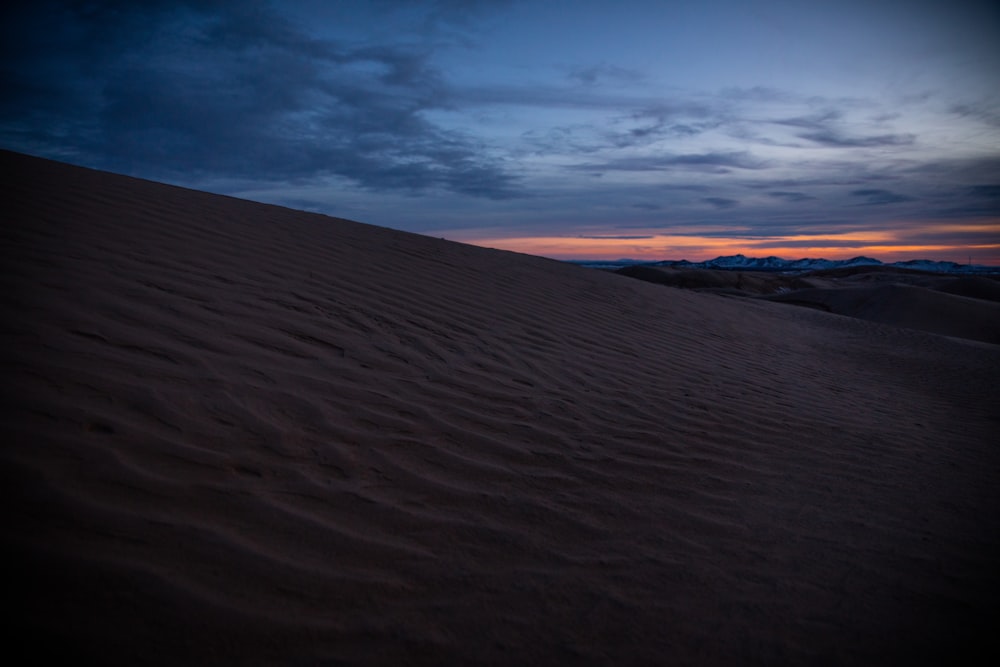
point(212, 88)
point(874, 196)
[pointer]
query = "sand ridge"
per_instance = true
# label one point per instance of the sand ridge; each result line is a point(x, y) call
point(245, 434)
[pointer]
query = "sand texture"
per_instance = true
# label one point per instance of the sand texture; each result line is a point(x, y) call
point(240, 434)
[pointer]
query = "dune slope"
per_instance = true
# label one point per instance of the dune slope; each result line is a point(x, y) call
point(909, 306)
point(241, 434)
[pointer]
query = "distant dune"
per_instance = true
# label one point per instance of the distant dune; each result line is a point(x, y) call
point(972, 287)
point(962, 306)
point(908, 306)
point(239, 434)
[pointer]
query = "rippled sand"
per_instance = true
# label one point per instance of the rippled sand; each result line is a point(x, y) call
point(242, 434)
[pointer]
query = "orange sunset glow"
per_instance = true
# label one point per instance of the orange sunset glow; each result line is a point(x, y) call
point(900, 243)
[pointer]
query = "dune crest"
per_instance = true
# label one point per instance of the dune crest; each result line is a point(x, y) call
point(243, 434)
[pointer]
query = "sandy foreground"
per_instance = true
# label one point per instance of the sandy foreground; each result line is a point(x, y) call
point(236, 433)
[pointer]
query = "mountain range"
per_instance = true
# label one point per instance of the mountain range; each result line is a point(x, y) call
point(744, 263)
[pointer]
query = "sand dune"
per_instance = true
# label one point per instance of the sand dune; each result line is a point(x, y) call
point(962, 306)
point(910, 306)
point(720, 281)
point(242, 434)
point(974, 287)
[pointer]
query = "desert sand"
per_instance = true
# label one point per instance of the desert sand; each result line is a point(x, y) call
point(952, 305)
point(241, 434)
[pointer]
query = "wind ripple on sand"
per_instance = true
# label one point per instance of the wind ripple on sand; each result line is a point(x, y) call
point(241, 433)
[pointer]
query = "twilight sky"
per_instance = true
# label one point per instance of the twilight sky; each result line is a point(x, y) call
point(650, 129)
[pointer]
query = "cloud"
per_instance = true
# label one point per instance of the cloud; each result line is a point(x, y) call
point(814, 241)
point(604, 237)
point(720, 202)
point(988, 191)
point(982, 110)
point(789, 196)
point(593, 74)
point(614, 120)
point(766, 94)
point(985, 236)
point(875, 196)
point(716, 162)
point(654, 122)
point(963, 170)
point(837, 140)
point(814, 122)
point(213, 88)
point(322, 116)
point(971, 201)
point(825, 128)
point(438, 22)
point(577, 139)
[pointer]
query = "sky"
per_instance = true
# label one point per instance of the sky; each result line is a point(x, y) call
point(583, 129)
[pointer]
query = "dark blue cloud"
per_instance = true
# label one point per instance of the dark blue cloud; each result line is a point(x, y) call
point(690, 161)
point(720, 202)
point(981, 110)
point(875, 196)
point(179, 89)
point(838, 140)
point(790, 196)
point(813, 122)
point(825, 128)
point(986, 191)
point(964, 202)
point(972, 238)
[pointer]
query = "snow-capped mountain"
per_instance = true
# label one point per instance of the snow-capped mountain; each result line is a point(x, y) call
point(734, 262)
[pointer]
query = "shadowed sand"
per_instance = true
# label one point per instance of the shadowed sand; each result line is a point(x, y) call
point(908, 306)
point(961, 306)
point(242, 434)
